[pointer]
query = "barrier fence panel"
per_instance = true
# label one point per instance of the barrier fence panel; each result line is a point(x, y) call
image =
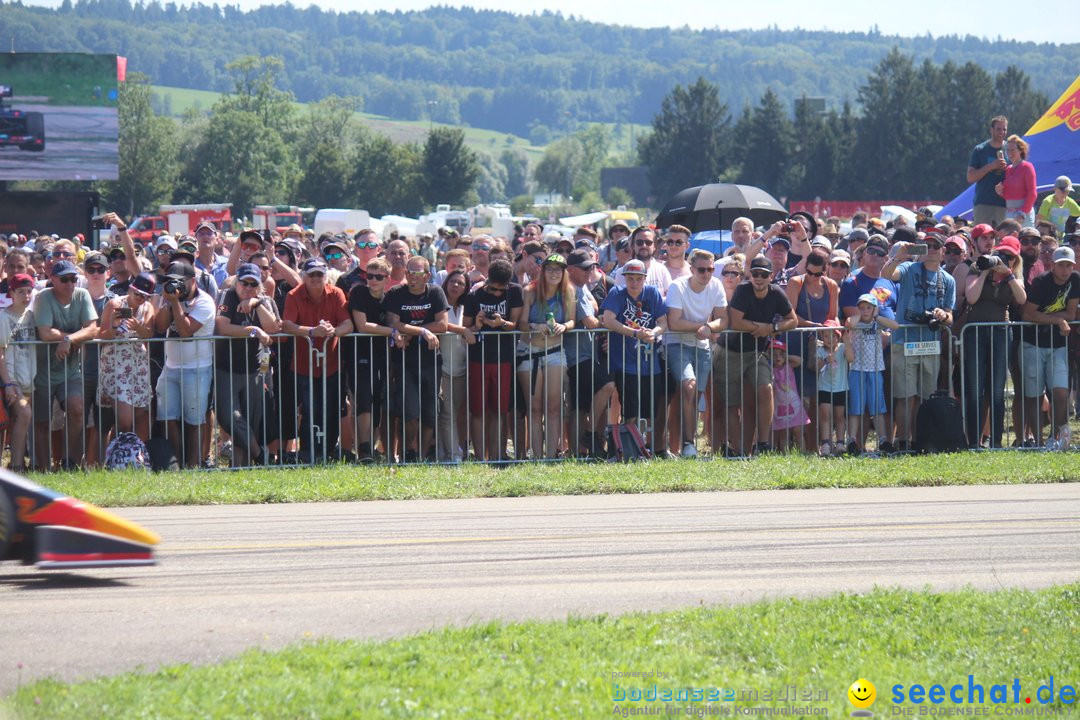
point(500, 397)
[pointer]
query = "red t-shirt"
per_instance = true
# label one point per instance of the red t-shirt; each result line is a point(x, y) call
point(302, 310)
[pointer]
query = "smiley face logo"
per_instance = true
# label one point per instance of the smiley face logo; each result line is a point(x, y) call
point(862, 693)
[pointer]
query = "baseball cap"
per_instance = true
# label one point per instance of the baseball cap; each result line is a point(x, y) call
point(822, 242)
point(294, 228)
point(1063, 183)
point(312, 265)
point(840, 256)
point(19, 280)
point(66, 267)
point(180, 270)
point(557, 259)
point(780, 240)
point(777, 344)
point(761, 262)
point(580, 259)
point(144, 283)
point(868, 298)
point(618, 226)
point(189, 243)
point(95, 258)
point(958, 241)
point(622, 243)
point(205, 225)
point(877, 241)
point(1064, 254)
point(250, 234)
point(1009, 244)
point(633, 267)
point(113, 252)
point(858, 235)
point(165, 241)
point(981, 229)
point(249, 271)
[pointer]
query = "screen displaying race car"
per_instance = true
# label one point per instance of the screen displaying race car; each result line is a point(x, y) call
point(51, 531)
point(58, 116)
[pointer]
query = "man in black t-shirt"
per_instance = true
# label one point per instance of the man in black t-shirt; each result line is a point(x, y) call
point(417, 312)
point(758, 311)
point(371, 368)
point(492, 311)
point(1051, 304)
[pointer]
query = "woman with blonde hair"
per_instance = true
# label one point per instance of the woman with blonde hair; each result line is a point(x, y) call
point(1018, 188)
point(548, 312)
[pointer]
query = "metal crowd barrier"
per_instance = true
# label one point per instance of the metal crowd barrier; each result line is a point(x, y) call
point(483, 403)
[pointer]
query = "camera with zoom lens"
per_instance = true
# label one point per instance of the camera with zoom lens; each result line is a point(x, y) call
point(173, 287)
point(926, 317)
point(788, 227)
point(986, 262)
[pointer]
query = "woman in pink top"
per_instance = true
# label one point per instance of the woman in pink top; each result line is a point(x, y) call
point(1018, 189)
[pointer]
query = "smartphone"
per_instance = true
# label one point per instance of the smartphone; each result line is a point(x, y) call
point(917, 249)
point(125, 313)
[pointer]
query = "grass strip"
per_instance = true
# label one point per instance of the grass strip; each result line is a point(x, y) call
point(350, 482)
point(564, 669)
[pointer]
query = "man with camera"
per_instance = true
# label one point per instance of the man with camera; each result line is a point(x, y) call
point(183, 388)
point(925, 299)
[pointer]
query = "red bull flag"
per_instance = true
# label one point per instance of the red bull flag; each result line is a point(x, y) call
point(1054, 149)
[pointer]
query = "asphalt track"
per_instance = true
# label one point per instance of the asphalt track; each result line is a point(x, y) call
point(235, 577)
point(80, 144)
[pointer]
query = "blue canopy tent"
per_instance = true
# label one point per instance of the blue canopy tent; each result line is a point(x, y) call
point(1054, 149)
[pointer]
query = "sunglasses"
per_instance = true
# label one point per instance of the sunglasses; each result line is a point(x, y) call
point(643, 243)
point(815, 274)
point(67, 278)
point(731, 273)
point(164, 251)
point(760, 274)
point(376, 276)
point(417, 273)
point(704, 270)
point(840, 264)
point(95, 270)
point(933, 246)
point(252, 246)
point(62, 254)
point(876, 252)
point(315, 274)
point(368, 245)
point(250, 283)
point(334, 256)
point(1030, 241)
point(954, 251)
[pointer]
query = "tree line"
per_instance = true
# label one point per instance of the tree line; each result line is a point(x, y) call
point(909, 136)
point(534, 75)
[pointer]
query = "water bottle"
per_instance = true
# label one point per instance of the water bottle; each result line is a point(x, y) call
point(551, 321)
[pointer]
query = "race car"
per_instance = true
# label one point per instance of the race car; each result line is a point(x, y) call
point(26, 130)
point(44, 528)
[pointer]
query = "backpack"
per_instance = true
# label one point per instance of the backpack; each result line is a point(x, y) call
point(127, 450)
point(625, 443)
point(939, 425)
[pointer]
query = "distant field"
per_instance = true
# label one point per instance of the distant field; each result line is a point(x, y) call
point(178, 100)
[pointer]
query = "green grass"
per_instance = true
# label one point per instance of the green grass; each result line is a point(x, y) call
point(349, 482)
point(564, 669)
point(59, 79)
point(180, 100)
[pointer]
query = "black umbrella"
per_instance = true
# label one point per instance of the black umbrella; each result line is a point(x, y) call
point(715, 207)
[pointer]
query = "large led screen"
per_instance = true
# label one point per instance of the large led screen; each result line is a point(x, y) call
point(58, 118)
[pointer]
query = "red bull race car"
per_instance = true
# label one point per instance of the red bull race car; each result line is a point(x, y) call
point(44, 528)
point(25, 130)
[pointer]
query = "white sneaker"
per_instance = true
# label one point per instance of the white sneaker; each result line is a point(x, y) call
point(689, 450)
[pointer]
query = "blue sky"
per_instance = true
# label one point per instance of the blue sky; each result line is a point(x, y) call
point(987, 18)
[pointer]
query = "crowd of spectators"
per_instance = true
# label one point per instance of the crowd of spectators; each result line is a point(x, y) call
point(267, 348)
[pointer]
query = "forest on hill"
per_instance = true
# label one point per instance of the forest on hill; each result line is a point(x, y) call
point(537, 76)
